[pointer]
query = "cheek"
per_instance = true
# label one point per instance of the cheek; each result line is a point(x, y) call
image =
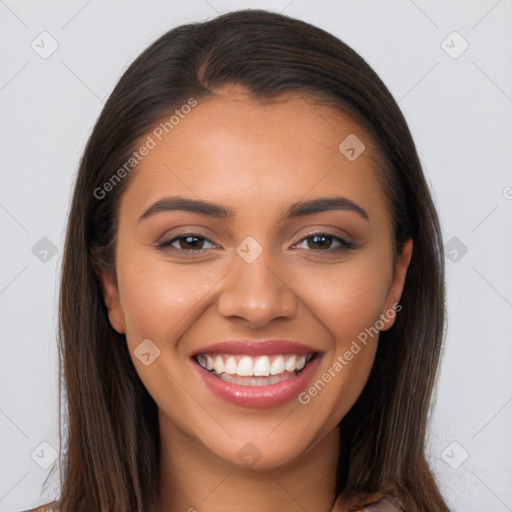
point(159, 299)
point(349, 298)
point(348, 304)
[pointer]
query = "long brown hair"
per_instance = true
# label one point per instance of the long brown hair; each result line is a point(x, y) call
point(110, 461)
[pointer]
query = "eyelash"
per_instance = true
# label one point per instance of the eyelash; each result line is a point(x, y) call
point(166, 244)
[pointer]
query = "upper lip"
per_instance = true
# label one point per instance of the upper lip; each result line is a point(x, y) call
point(256, 348)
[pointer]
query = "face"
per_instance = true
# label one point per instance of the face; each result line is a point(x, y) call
point(283, 279)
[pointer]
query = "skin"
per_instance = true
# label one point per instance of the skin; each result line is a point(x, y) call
point(256, 159)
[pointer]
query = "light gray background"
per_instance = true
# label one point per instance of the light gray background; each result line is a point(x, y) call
point(459, 111)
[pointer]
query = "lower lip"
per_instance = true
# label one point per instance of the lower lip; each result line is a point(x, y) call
point(259, 397)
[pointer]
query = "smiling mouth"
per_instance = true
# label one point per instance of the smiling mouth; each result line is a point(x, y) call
point(263, 370)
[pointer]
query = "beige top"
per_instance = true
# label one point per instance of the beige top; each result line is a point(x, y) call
point(43, 508)
point(374, 503)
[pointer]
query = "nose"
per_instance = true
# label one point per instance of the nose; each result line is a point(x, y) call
point(257, 292)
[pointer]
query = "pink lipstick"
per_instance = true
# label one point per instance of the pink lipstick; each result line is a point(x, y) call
point(257, 374)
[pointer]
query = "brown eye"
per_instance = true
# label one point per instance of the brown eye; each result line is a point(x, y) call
point(321, 241)
point(186, 242)
point(324, 241)
point(190, 242)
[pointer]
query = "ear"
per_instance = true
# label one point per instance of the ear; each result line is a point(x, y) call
point(111, 297)
point(389, 313)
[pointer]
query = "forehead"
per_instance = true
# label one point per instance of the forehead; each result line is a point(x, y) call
point(238, 149)
point(289, 121)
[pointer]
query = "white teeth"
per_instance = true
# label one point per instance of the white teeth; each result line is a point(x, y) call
point(262, 366)
point(290, 364)
point(253, 381)
point(245, 367)
point(301, 362)
point(277, 366)
point(231, 366)
point(218, 365)
point(257, 366)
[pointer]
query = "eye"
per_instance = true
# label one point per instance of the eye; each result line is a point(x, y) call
point(188, 242)
point(324, 242)
point(195, 243)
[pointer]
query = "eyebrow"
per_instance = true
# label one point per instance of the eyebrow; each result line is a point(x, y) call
point(321, 204)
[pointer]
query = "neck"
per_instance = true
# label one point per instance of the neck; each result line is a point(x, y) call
point(193, 479)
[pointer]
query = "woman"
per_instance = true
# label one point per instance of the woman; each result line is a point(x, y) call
point(252, 294)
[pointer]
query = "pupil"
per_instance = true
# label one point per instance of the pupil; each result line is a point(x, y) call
point(188, 240)
point(317, 238)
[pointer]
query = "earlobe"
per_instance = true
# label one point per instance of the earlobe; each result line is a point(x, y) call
point(388, 316)
point(111, 298)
